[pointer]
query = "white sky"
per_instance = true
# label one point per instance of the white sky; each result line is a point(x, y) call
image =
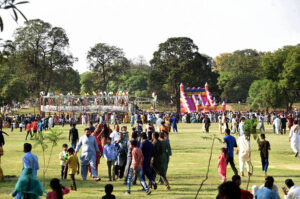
point(138, 26)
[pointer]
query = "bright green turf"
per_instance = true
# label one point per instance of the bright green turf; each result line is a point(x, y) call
point(186, 169)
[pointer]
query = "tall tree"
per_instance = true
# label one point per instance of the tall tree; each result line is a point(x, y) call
point(264, 94)
point(66, 80)
point(90, 82)
point(40, 52)
point(237, 71)
point(11, 87)
point(283, 67)
point(178, 61)
point(108, 61)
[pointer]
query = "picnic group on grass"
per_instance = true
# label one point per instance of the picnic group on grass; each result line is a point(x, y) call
point(145, 154)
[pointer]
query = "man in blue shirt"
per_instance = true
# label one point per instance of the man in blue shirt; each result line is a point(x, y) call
point(266, 192)
point(30, 160)
point(230, 144)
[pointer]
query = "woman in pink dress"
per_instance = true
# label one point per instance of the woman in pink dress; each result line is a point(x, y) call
point(222, 164)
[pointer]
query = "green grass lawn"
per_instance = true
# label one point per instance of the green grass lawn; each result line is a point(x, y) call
point(186, 169)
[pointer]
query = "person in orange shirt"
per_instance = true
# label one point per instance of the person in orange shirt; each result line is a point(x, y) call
point(163, 127)
point(136, 166)
point(34, 126)
point(28, 128)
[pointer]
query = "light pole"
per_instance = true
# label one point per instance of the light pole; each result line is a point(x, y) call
point(239, 106)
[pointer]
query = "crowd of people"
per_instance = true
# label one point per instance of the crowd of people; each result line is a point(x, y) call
point(230, 189)
point(145, 152)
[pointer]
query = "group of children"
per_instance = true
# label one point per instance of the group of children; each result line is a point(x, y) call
point(69, 163)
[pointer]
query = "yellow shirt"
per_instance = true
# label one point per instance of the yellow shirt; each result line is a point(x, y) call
point(143, 118)
point(73, 163)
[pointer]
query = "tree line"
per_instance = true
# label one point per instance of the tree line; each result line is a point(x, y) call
point(38, 59)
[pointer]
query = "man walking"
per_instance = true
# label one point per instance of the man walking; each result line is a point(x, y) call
point(135, 168)
point(264, 147)
point(30, 160)
point(261, 124)
point(156, 163)
point(206, 124)
point(276, 124)
point(134, 136)
point(122, 150)
point(230, 143)
point(73, 136)
point(88, 155)
point(244, 154)
point(283, 121)
point(147, 150)
point(294, 138)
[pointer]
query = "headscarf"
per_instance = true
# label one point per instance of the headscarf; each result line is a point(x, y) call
point(27, 184)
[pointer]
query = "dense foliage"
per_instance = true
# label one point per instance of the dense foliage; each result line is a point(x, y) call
point(38, 59)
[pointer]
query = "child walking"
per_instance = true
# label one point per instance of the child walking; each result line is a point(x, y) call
point(57, 190)
point(63, 156)
point(222, 164)
point(73, 164)
point(110, 154)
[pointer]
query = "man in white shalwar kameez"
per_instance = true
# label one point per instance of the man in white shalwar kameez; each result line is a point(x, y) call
point(83, 119)
point(261, 123)
point(242, 127)
point(50, 123)
point(220, 123)
point(112, 118)
point(88, 154)
point(276, 123)
point(294, 137)
point(244, 151)
point(233, 125)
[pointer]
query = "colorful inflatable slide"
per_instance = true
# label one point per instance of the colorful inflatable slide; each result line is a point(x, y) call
point(198, 100)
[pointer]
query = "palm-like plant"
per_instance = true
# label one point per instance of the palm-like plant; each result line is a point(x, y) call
point(43, 140)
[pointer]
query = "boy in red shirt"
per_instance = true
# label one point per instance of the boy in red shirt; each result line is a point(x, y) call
point(136, 166)
point(28, 128)
point(34, 126)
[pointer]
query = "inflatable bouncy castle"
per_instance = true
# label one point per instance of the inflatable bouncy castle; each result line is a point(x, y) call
point(198, 100)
